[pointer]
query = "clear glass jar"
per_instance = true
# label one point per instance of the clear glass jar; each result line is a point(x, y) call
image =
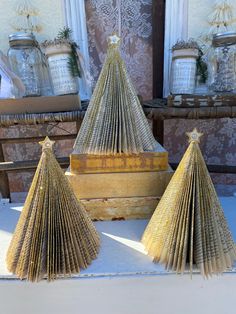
point(25, 59)
point(46, 81)
point(222, 63)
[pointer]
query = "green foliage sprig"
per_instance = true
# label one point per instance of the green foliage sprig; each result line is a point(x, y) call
point(202, 69)
point(73, 63)
point(64, 37)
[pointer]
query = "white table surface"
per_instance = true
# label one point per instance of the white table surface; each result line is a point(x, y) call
point(122, 280)
point(121, 252)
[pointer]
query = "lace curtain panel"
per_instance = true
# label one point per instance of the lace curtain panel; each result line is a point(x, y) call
point(132, 20)
point(176, 28)
point(75, 19)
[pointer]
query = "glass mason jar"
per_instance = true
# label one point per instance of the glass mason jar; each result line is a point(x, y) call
point(25, 59)
point(183, 71)
point(222, 63)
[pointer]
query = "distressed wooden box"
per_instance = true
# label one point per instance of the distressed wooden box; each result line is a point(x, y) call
point(148, 161)
point(40, 104)
point(196, 101)
point(120, 186)
point(123, 195)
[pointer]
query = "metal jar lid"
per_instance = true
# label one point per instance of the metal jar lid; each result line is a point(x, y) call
point(21, 38)
point(224, 39)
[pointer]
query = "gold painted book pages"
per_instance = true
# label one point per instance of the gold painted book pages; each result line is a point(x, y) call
point(54, 236)
point(114, 121)
point(188, 229)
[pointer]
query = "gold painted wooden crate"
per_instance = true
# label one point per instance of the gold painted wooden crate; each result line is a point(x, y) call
point(124, 195)
point(147, 161)
point(116, 185)
point(120, 186)
point(121, 208)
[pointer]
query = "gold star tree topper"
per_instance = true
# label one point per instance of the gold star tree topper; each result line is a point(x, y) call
point(114, 40)
point(47, 143)
point(194, 136)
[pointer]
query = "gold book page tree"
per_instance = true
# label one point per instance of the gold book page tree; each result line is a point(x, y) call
point(117, 168)
point(54, 236)
point(188, 229)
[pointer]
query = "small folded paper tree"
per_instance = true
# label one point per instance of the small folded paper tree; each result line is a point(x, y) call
point(114, 122)
point(54, 236)
point(188, 229)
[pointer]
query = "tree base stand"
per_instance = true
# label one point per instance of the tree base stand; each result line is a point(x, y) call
point(123, 208)
point(118, 194)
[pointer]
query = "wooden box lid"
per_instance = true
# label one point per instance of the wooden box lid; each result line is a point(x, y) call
point(142, 162)
point(40, 104)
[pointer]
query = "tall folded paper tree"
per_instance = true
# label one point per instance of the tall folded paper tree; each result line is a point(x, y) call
point(114, 121)
point(54, 236)
point(188, 228)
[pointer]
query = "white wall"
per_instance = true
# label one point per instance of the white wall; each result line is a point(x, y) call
point(51, 15)
point(199, 11)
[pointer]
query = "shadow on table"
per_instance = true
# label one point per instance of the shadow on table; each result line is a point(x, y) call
point(121, 251)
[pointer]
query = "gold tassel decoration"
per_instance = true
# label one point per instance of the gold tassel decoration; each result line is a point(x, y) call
point(114, 122)
point(54, 236)
point(188, 229)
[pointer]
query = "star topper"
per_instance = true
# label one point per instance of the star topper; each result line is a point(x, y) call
point(194, 136)
point(47, 143)
point(114, 40)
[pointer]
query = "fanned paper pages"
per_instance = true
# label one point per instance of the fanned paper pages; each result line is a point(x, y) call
point(54, 236)
point(188, 229)
point(115, 121)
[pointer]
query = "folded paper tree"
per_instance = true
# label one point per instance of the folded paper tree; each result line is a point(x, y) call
point(114, 121)
point(54, 236)
point(188, 229)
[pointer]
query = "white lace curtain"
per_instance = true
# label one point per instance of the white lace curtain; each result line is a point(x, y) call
point(75, 18)
point(133, 20)
point(176, 27)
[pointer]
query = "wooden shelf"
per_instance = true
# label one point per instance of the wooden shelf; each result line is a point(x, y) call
point(40, 104)
point(196, 101)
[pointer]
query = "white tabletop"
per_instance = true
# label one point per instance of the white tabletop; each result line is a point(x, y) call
point(121, 252)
